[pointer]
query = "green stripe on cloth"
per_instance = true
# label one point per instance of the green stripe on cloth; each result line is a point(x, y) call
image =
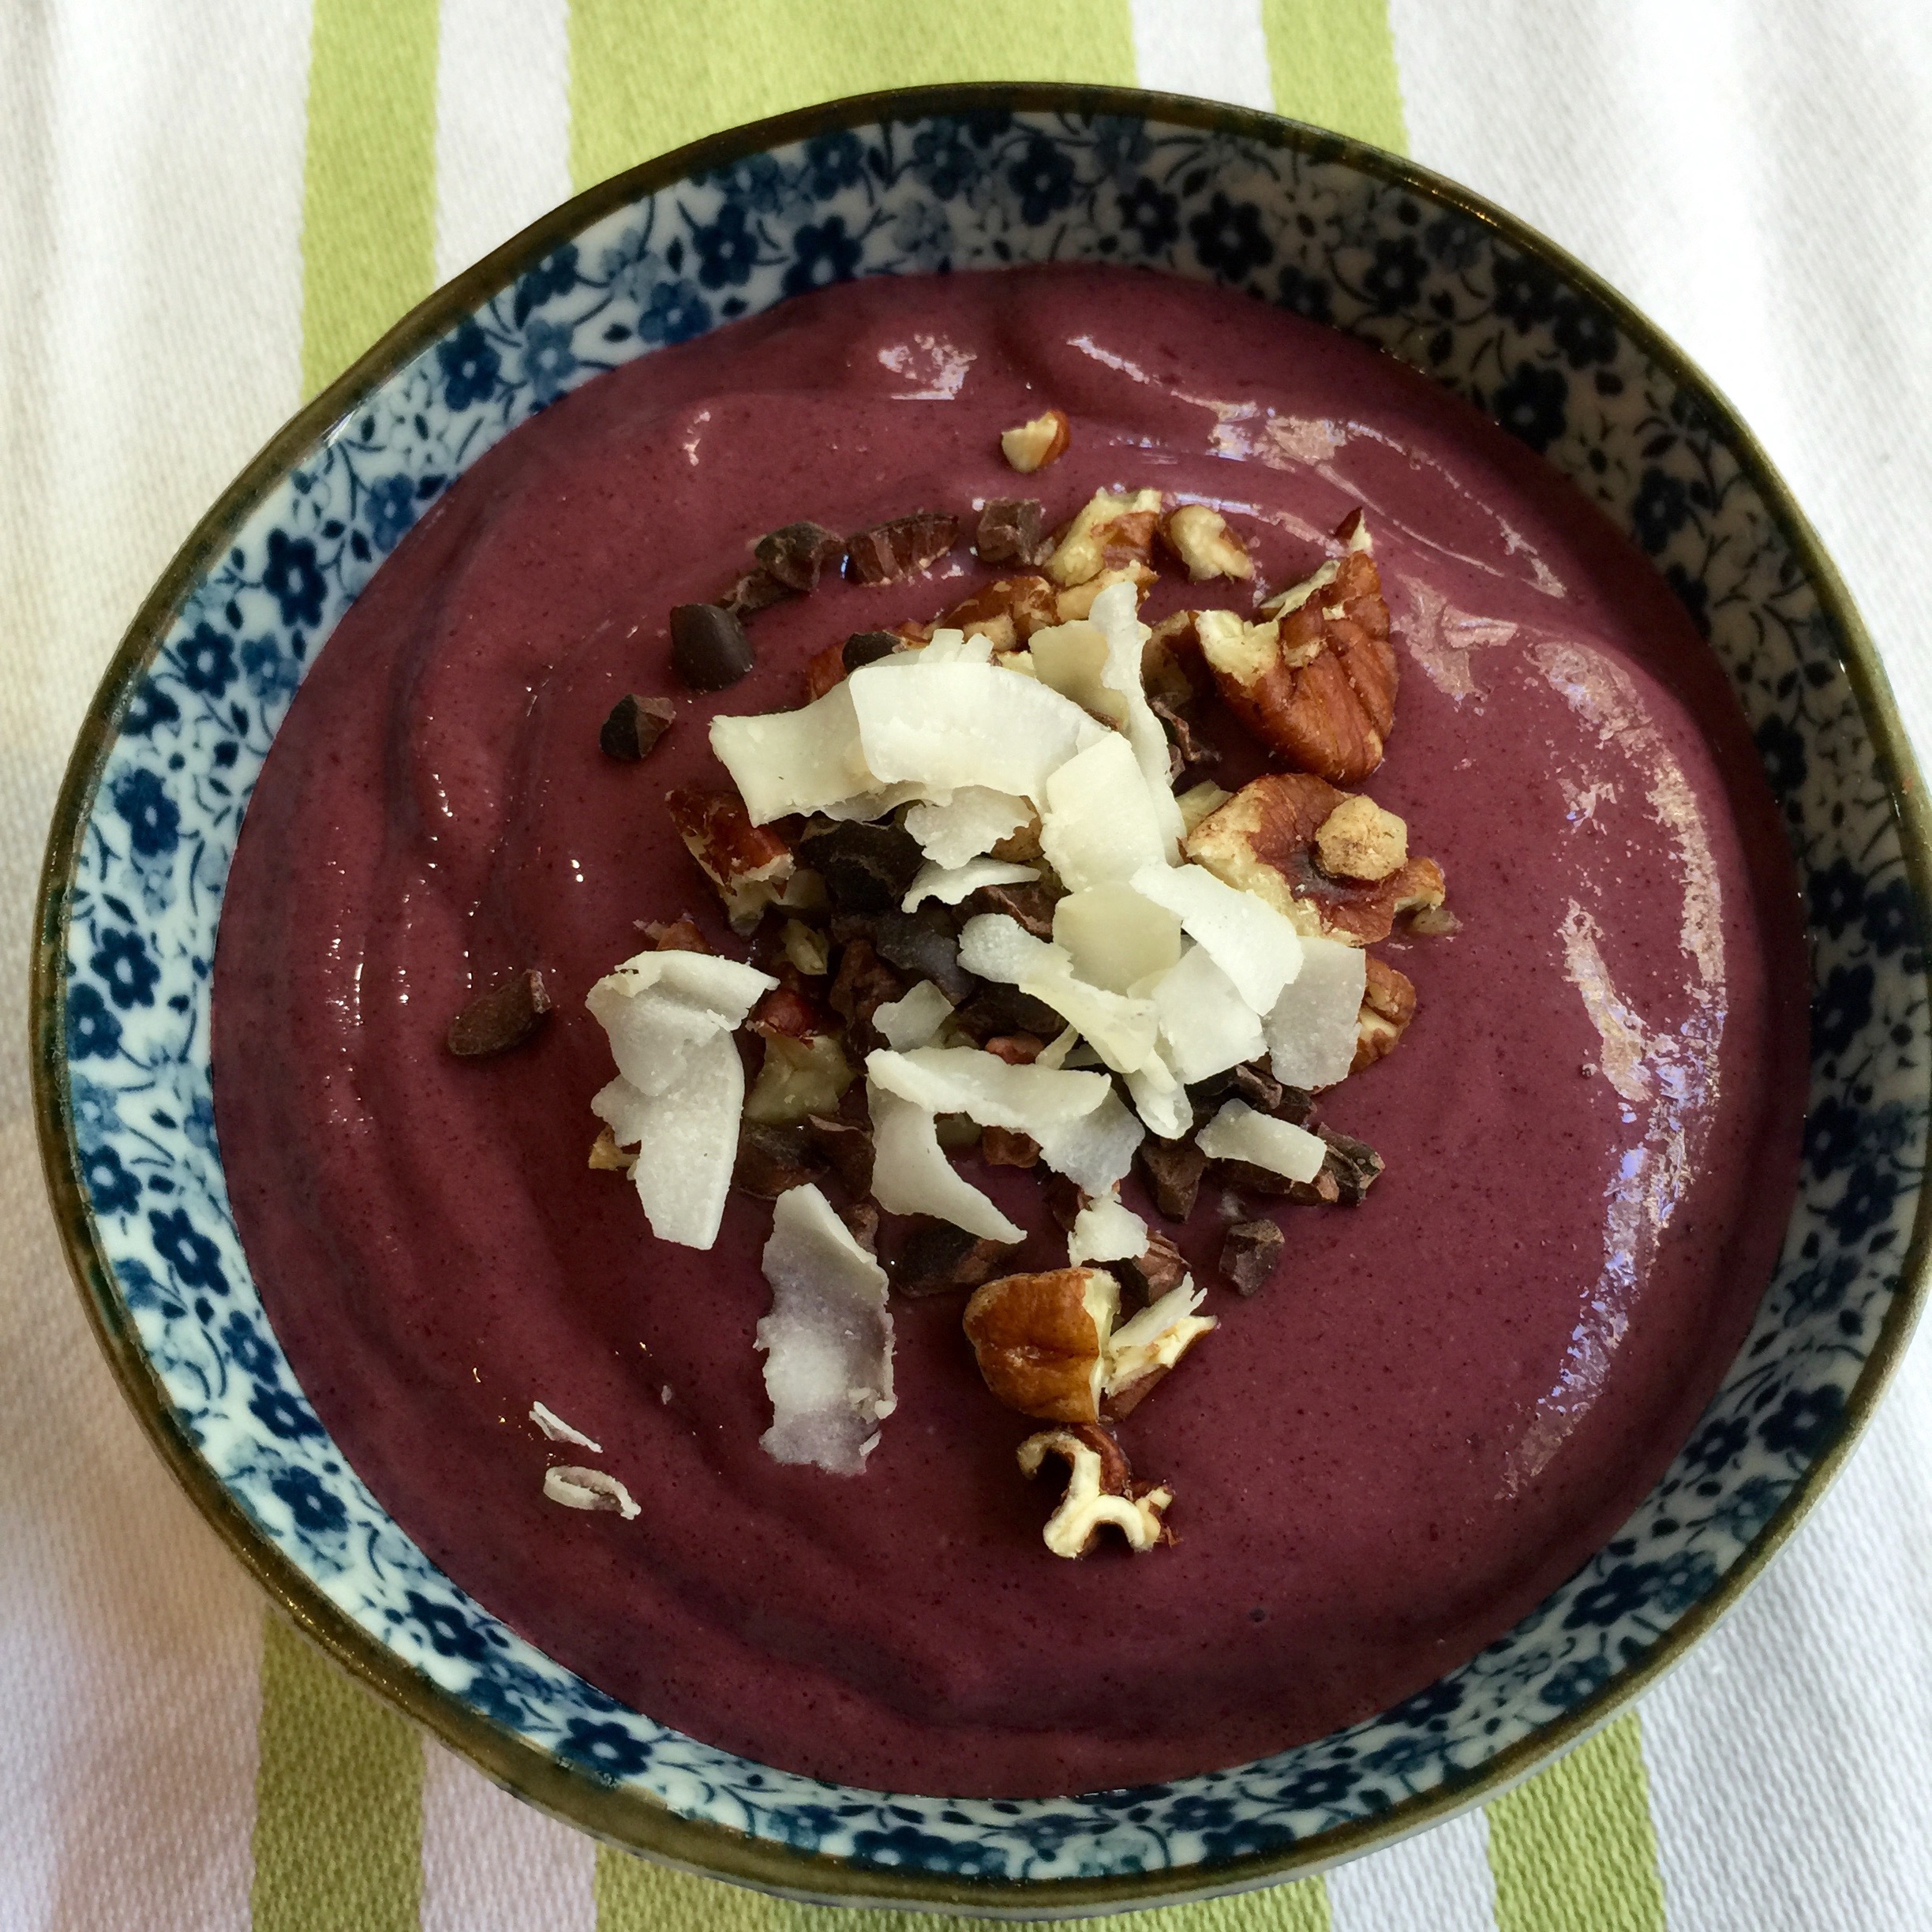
point(634, 1895)
point(338, 1800)
point(368, 206)
point(1333, 62)
point(1573, 1850)
point(645, 78)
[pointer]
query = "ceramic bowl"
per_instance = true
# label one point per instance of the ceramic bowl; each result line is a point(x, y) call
point(957, 179)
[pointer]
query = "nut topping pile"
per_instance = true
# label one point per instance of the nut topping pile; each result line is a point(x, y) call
point(994, 907)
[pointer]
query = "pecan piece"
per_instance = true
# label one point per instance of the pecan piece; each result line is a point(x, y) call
point(902, 548)
point(1316, 682)
point(1100, 1491)
point(1200, 538)
point(504, 1016)
point(750, 865)
point(678, 935)
point(1041, 1340)
point(1263, 840)
point(1009, 610)
point(1108, 532)
point(1030, 446)
point(1388, 1005)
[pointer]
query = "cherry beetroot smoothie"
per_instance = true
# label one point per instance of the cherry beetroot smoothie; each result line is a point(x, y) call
point(1445, 1400)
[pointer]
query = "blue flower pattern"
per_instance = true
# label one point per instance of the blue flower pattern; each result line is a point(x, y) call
point(1429, 284)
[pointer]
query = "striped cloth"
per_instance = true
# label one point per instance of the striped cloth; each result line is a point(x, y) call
point(208, 207)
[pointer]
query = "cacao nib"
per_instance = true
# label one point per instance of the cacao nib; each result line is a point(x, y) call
point(923, 946)
point(1173, 1169)
point(709, 648)
point(756, 590)
point(634, 726)
point(771, 1159)
point(996, 1009)
point(1355, 1164)
point(1193, 750)
point(1064, 1200)
point(795, 555)
point(866, 868)
point(936, 1256)
point(1032, 905)
point(902, 548)
point(861, 1220)
point(1324, 1190)
point(1015, 1049)
point(864, 983)
point(1001, 1147)
point(1250, 1254)
point(1152, 1275)
point(504, 1016)
point(1011, 529)
point(865, 647)
point(845, 1147)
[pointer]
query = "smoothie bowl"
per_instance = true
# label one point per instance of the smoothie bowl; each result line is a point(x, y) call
point(1067, 663)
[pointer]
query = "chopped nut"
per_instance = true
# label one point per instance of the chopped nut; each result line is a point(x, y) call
point(845, 1147)
point(708, 647)
point(1173, 1169)
point(1388, 1005)
point(866, 868)
point(1077, 600)
point(1158, 1272)
point(607, 1157)
point(902, 548)
point(1199, 801)
point(1433, 923)
point(1011, 529)
point(1100, 1490)
point(1358, 840)
point(1317, 681)
point(801, 1075)
point(938, 1257)
point(588, 1489)
point(681, 935)
point(1001, 1147)
point(1108, 532)
point(865, 647)
point(1263, 842)
point(1173, 645)
point(1033, 445)
point(504, 1016)
point(790, 1013)
point(1249, 1255)
point(750, 865)
point(795, 555)
point(1142, 1351)
point(1201, 539)
point(824, 671)
point(772, 1158)
point(806, 947)
point(1009, 609)
point(1041, 1340)
point(634, 726)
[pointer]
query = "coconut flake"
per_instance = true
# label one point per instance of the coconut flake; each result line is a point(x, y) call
point(968, 1080)
point(588, 1489)
point(1206, 1026)
point(1237, 1133)
point(1098, 824)
point(1246, 937)
point(1311, 1031)
point(913, 1020)
point(911, 1174)
point(946, 725)
point(1103, 1230)
point(800, 761)
point(969, 823)
point(828, 1340)
point(1072, 659)
point(994, 945)
point(658, 1007)
point(558, 1430)
point(687, 1140)
point(951, 884)
point(1116, 613)
point(1096, 1150)
point(1161, 1100)
point(1115, 939)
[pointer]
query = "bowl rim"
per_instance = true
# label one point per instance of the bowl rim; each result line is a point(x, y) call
point(625, 1818)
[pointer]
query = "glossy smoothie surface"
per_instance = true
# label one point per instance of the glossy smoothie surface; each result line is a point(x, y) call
point(1446, 1400)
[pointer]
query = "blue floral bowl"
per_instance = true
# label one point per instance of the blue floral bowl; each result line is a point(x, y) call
point(959, 178)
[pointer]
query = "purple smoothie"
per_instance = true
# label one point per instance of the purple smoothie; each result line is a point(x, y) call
point(1446, 1400)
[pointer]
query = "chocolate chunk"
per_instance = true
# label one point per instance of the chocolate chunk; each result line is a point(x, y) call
point(1173, 1169)
point(906, 545)
point(1011, 529)
point(996, 1009)
point(771, 1159)
point(923, 946)
point(504, 1017)
point(938, 1256)
point(1032, 905)
point(756, 590)
point(1249, 1255)
point(865, 647)
point(1355, 1164)
point(845, 1146)
point(1151, 1275)
point(795, 554)
point(708, 647)
point(634, 725)
point(681, 935)
point(866, 868)
point(1192, 751)
point(1001, 1147)
point(862, 1219)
